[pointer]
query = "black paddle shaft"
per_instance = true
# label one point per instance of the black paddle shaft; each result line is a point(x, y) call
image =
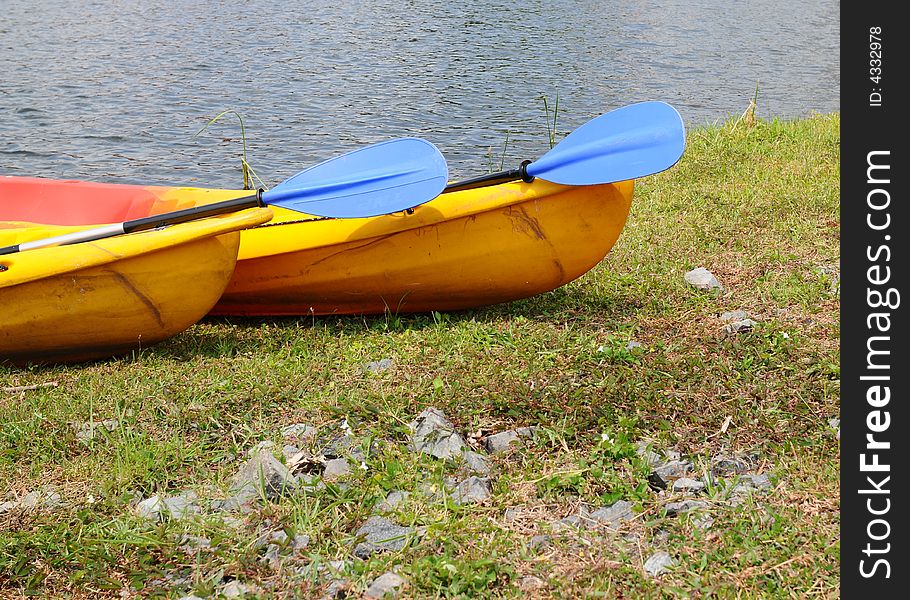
point(493, 179)
point(196, 212)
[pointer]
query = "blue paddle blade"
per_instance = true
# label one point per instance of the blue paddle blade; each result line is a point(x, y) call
point(626, 143)
point(383, 178)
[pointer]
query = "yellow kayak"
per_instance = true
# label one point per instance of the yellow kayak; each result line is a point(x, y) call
point(111, 296)
point(462, 250)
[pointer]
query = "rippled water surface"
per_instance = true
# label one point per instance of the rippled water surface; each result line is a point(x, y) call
point(114, 91)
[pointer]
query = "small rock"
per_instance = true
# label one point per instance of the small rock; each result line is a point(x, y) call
point(41, 499)
point(345, 445)
point(632, 345)
point(393, 500)
point(472, 490)
point(688, 486)
point(612, 515)
point(539, 542)
point(736, 315)
point(150, 508)
point(748, 483)
point(475, 462)
point(263, 476)
point(377, 366)
point(385, 586)
point(664, 475)
point(299, 432)
point(570, 522)
point(530, 583)
point(181, 505)
point(259, 447)
point(336, 468)
point(337, 589)
point(658, 563)
point(380, 534)
point(88, 431)
point(289, 451)
point(192, 545)
point(235, 589)
point(702, 279)
point(500, 442)
point(743, 326)
point(724, 466)
point(435, 435)
point(675, 508)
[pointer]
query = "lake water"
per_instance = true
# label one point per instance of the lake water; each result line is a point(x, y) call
point(114, 91)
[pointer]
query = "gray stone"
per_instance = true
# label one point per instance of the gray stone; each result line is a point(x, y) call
point(749, 483)
point(378, 366)
point(336, 468)
point(380, 534)
point(675, 508)
point(235, 589)
point(475, 462)
point(385, 586)
point(435, 435)
point(299, 432)
point(41, 499)
point(664, 475)
point(570, 522)
point(612, 515)
point(345, 445)
point(736, 315)
point(192, 545)
point(90, 430)
point(530, 583)
point(150, 508)
point(261, 477)
point(181, 505)
point(272, 556)
point(658, 563)
point(500, 442)
point(724, 466)
point(539, 542)
point(472, 490)
point(688, 486)
point(743, 326)
point(259, 447)
point(393, 500)
point(337, 589)
point(650, 456)
point(289, 451)
point(702, 279)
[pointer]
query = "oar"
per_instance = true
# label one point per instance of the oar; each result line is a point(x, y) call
point(383, 178)
point(626, 143)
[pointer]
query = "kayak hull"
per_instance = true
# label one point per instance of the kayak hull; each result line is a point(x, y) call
point(463, 250)
point(111, 296)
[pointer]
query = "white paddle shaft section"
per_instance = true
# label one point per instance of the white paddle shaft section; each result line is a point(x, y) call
point(75, 237)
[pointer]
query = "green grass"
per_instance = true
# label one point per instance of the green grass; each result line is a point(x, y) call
point(758, 206)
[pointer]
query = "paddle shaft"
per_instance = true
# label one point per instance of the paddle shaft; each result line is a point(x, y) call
point(145, 223)
point(493, 179)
